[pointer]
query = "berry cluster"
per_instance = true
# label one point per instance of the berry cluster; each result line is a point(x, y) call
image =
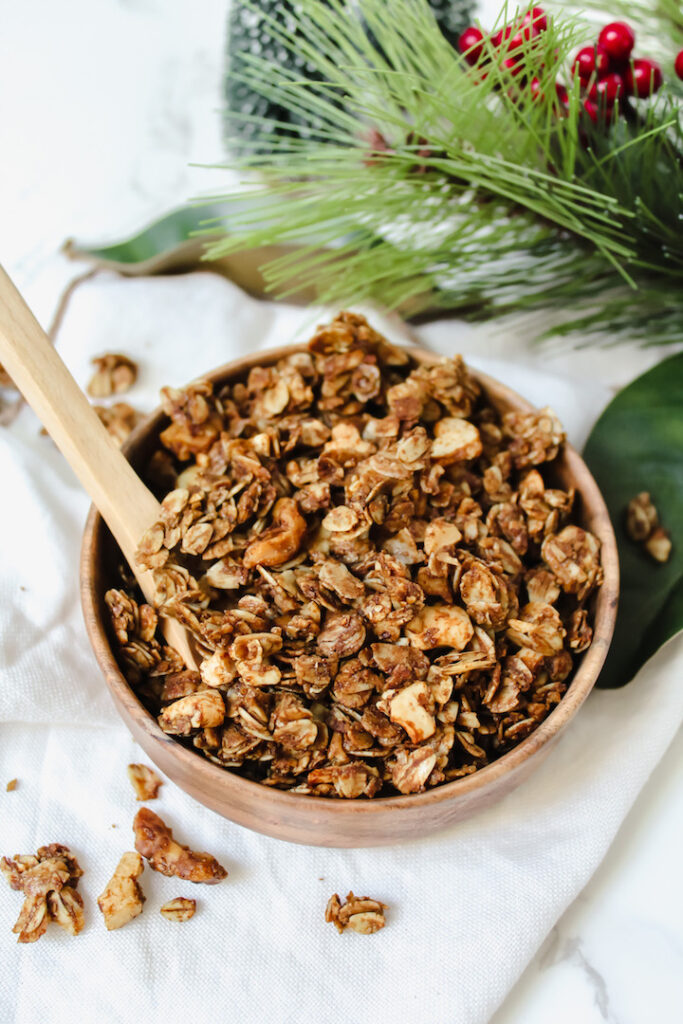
point(508, 45)
point(509, 41)
point(607, 71)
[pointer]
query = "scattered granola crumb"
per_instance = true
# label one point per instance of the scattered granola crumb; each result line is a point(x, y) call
point(642, 526)
point(179, 909)
point(390, 592)
point(641, 517)
point(119, 419)
point(114, 374)
point(144, 781)
point(48, 881)
point(359, 913)
point(154, 840)
point(11, 785)
point(658, 545)
point(122, 899)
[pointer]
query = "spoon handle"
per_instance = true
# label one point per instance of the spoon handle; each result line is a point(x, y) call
point(126, 505)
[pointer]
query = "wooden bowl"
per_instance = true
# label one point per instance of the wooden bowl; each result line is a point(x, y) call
point(322, 821)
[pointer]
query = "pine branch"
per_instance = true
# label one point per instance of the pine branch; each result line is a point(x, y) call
point(424, 184)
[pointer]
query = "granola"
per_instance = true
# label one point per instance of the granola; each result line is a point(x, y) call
point(144, 781)
point(11, 785)
point(49, 882)
point(389, 586)
point(119, 419)
point(658, 545)
point(154, 840)
point(123, 899)
point(359, 913)
point(179, 909)
point(642, 526)
point(114, 374)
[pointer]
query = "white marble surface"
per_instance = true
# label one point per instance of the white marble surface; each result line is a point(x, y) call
point(104, 105)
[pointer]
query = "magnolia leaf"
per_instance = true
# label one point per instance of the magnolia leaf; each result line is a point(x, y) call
point(637, 445)
point(176, 244)
point(168, 244)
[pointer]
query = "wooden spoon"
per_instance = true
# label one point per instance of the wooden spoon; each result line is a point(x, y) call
point(126, 505)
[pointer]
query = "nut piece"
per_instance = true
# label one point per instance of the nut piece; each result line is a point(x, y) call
point(202, 710)
point(114, 374)
point(658, 545)
point(340, 519)
point(123, 898)
point(409, 708)
point(144, 781)
point(154, 840)
point(441, 535)
point(440, 625)
point(179, 909)
point(360, 913)
point(456, 440)
point(11, 785)
point(48, 881)
point(281, 541)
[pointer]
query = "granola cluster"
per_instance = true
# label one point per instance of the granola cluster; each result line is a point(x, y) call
point(49, 883)
point(359, 913)
point(388, 589)
point(119, 419)
point(114, 375)
point(643, 527)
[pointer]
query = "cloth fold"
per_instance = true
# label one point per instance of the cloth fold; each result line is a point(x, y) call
point(467, 907)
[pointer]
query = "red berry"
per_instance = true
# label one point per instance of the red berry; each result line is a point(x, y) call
point(562, 95)
point(502, 34)
point(618, 39)
point(535, 88)
point(512, 66)
point(643, 78)
point(606, 90)
point(591, 59)
point(592, 110)
point(679, 64)
point(471, 43)
point(517, 40)
point(537, 18)
point(599, 113)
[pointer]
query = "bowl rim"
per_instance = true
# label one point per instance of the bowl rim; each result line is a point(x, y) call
point(582, 683)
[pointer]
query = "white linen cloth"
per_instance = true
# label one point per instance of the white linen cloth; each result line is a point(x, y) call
point(468, 907)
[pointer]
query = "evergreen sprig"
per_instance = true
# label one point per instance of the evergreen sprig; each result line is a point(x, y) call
point(429, 184)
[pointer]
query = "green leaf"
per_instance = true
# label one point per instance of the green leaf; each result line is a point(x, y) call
point(171, 236)
point(637, 445)
point(176, 244)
